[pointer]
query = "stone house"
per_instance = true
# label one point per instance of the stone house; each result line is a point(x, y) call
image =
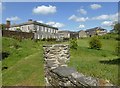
point(82, 34)
point(40, 30)
point(68, 34)
point(74, 35)
point(96, 31)
point(64, 34)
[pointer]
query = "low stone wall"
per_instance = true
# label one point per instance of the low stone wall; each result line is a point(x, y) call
point(58, 74)
point(17, 34)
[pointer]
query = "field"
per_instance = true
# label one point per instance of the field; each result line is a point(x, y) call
point(102, 63)
point(24, 61)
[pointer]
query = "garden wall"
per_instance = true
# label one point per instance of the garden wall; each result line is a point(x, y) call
point(58, 74)
point(16, 34)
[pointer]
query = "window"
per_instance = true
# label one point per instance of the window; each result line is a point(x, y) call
point(41, 28)
point(37, 28)
point(45, 29)
point(28, 27)
point(48, 29)
point(41, 36)
point(38, 36)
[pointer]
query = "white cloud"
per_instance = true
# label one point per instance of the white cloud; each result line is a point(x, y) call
point(55, 24)
point(81, 26)
point(44, 10)
point(113, 17)
point(77, 19)
point(95, 6)
point(14, 18)
point(82, 11)
point(52, 23)
point(40, 21)
point(107, 23)
point(101, 17)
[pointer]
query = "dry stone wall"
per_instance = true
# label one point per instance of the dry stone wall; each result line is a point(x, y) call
point(58, 74)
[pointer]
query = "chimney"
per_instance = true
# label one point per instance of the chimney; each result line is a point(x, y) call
point(29, 20)
point(8, 24)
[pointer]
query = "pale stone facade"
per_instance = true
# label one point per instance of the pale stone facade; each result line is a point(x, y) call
point(64, 34)
point(82, 34)
point(40, 30)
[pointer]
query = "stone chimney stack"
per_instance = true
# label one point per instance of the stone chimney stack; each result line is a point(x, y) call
point(30, 20)
point(8, 24)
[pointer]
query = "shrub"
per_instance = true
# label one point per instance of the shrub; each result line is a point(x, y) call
point(36, 40)
point(117, 50)
point(65, 39)
point(51, 39)
point(18, 29)
point(95, 43)
point(16, 45)
point(43, 39)
point(73, 43)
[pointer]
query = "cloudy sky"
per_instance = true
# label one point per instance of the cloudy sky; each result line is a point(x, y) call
point(64, 15)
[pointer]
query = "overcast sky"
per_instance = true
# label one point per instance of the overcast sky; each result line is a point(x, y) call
point(64, 15)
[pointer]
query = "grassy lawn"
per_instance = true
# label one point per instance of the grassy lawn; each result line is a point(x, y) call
point(25, 64)
point(96, 63)
point(25, 61)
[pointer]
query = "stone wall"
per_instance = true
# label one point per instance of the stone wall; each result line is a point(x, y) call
point(17, 34)
point(57, 73)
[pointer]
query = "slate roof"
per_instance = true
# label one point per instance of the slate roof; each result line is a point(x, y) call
point(32, 22)
point(94, 29)
point(65, 31)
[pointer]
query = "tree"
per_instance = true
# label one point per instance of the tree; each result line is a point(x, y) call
point(73, 43)
point(95, 43)
point(117, 27)
point(18, 29)
point(2, 26)
point(117, 49)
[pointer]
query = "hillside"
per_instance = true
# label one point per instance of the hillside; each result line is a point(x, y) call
point(23, 63)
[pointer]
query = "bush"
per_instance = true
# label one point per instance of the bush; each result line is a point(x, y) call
point(37, 40)
point(117, 50)
point(95, 43)
point(43, 39)
point(73, 43)
point(65, 39)
point(51, 39)
point(16, 45)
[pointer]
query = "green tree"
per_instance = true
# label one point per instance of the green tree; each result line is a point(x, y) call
point(73, 43)
point(18, 29)
point(117, 50)
point(2, 26)
point(117, 27)
point(95, 43)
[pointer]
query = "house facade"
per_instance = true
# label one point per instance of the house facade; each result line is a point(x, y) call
point(64, 34)
point(82, 34)
point(40, 30)
point(96, 31)
point(74, 35)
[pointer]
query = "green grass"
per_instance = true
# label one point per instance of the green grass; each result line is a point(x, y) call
point(25, 64)
point(28, 71)
point(0, 61)
point(87, 61)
